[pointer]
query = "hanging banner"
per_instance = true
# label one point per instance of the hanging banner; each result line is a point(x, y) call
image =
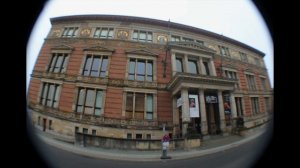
point(211, 99)
point(194, 106)
point(179, 102)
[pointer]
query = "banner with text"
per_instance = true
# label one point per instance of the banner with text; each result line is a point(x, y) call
point(194, 106)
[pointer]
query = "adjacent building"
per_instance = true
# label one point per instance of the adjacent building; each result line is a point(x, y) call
point(135, 78)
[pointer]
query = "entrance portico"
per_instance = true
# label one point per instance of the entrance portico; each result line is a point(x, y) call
point(209, 92)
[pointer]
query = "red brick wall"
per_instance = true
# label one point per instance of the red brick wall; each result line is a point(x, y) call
point(160, 68)
point(164, 106)
point(113, 102)
point(33, 91)
point(43, 58)
point(118, 64)
point(247, 101)
point(67, 97)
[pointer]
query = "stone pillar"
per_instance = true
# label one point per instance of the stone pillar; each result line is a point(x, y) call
point(185, 64)
point(212, 67)
point(185, 111)
point(202, 68)
point(221, 111)
point(173, 59)
point(233, 106)
point(203, 113)
point(175, 116)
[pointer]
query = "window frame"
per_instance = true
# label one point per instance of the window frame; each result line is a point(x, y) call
point(255, 105)
point(62, 68)
point(101, 29)
point(100, 66)
point(139, 33)
point(135, 59)
point(84, 101)
point(224, 51)
point(244, 57)
point(251, 82)
point(67, 31)
point(44, 94)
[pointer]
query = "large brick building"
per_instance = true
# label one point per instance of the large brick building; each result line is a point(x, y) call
point(134, 78)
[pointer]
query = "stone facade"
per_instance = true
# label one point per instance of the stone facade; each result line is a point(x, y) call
point(147, 73)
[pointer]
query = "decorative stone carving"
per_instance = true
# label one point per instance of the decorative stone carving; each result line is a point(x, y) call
point(122, 34)
point(85, 32)
point(162, 39)
point(56, 32)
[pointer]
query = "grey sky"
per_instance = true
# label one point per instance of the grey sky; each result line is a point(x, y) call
point(237, 19)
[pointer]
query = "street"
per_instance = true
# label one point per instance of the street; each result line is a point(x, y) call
point(243, 156)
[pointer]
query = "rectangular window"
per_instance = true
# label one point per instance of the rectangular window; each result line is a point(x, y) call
point(85, 130)
point(50, 125)
point(95, 65)
point(104, 32)
point(231, 75)
point(139, 136)
point(148, 136)
point(257, 61)
point(263, 83)
point(179, 65)
point(244, 57)
point(255, 105)
point(141, 70)
point(175, 38)
point(139, 106)
point(187, 39)
point(206, 67)
point(70, 32)
point(129, 136)
point(58, 63)
point(94, 132)
point(50, 95)
point(224, 51)
point(251, 82)
point(76, 129)
point(200, 42)
point(143, 36)
point(193, 66)
point(239, 106)
point(89, 101)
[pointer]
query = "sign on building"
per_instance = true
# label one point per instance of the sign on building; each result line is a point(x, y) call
point(194, 106)
point(211, 99)
point(179, 102)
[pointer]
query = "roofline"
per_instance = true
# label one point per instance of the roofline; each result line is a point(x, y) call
point(155, 22)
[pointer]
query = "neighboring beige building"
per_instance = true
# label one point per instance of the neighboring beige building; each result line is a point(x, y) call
point(130, 77)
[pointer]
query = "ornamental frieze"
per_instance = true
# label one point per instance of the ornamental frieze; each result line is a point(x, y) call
point(85, 32)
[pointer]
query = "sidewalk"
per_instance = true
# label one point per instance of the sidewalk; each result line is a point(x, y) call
point(212, 145)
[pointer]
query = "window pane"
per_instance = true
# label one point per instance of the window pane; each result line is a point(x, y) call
point(129, 101)
point(141, 70)
point(45, 91)
point(132, 66)
point(79, 109)
point(135, 35)
point(95, 66)
point(99, 99)
point(149, 116)
point(81, 96)
point(58, 64)
point(75, 32)
point(206, 68)
point(97, 32)
point(87, 66)
point(193, 67)
point(50, 95)
point(178, 65)
point(111, 33)
point(149, 36)
point(56, 96)
point(104, 33)
point(149, 103)
point(90, 98)
point(142, 36)
point(104, 67)
point(139, 102)
point(52, 63)
point(66, 59)
point(97, 112)
point(149, 71)
point(70, 32)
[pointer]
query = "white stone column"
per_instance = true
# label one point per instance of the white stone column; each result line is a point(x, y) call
point(212, 67)
point(173, 59)
point(202, 68)
point(175, 116)
point(204, 127)
point(221, 110)
point(185, 64)
point(233, 106)
point(185, 111)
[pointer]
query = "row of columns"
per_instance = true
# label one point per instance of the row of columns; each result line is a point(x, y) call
point(186, 112)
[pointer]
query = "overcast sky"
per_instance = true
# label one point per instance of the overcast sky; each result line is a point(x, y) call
point(237, 19)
